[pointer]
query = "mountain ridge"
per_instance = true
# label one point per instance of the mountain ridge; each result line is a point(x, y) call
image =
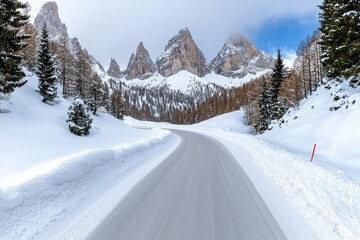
point(238, 58)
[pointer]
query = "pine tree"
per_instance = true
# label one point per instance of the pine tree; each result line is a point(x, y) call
point(12, 20)
point(340, 40)
point(264, 105)
point(46, 70)
point(79, 120)
point(278, 75)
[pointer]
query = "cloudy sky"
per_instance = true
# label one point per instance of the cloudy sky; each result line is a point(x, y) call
point(113, 28)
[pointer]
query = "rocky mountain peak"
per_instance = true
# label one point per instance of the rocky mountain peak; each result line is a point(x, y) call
point(239, 57)
point(182, 53)
point(140, 47)
point(140, 64)
point(49, 15)
point(114, 69)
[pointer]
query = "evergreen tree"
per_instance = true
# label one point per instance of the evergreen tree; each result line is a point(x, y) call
point(12, 20)
point(340, 40)
point(264, 105)
point(79, 120)
point(46, 70)
point(278, 75)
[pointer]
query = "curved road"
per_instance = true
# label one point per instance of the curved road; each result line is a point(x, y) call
point(199, 192)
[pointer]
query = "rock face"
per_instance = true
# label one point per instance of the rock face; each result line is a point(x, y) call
point(238, 57)
point(114, 69)
point(140, 64)
point(49, 15)
point(181, 53)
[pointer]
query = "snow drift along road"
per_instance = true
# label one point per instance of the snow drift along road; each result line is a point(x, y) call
point(69, 196)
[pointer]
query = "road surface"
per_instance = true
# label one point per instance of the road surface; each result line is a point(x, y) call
point(199, 192)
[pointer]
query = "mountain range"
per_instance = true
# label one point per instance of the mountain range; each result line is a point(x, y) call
point(238, 58)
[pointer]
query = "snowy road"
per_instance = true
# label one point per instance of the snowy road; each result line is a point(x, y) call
point(198, 192)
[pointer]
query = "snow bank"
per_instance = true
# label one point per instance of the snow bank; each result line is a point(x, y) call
point(53, 194)
point(326, 202)
point(33, 133)
point(52, 182)
point(336, 133)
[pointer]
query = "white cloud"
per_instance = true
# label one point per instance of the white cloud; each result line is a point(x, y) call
point(289, 57)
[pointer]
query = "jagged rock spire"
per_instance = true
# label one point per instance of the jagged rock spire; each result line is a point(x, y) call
point(181, 53)
point(114, 69)
point(49, 15)
point(140, 64)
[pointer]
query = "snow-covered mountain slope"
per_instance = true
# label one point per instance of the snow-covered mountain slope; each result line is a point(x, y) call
point(33, 133)
point(182, 81)
point(187, 82)
point(229, 82)
point(336, 133)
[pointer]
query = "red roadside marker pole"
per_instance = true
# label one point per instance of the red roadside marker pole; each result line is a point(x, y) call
point(313, 152)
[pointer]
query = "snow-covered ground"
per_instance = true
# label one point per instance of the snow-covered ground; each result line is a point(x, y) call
point(51, 179)
point(335, 133)
point(33, 132)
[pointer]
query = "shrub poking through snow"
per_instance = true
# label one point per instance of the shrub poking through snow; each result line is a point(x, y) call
point(79, 120)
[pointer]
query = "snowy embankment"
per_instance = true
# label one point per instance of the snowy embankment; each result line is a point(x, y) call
point(64, 195)
point(336, 133)
point(55, 184)
point(325, 200)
